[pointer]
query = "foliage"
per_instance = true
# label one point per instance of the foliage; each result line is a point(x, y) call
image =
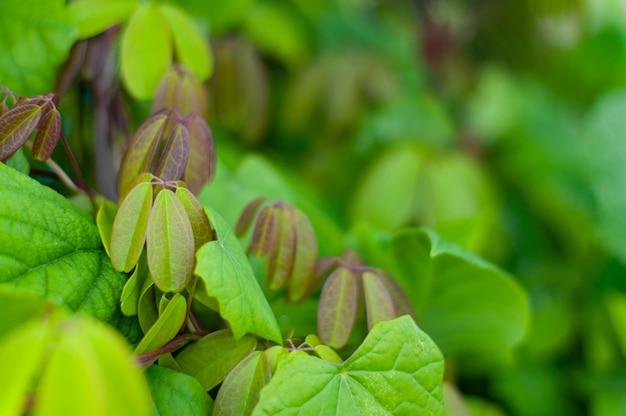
point(289, 207)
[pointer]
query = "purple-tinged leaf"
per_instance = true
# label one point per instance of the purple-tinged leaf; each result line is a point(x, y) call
point(281, 257)
point(141, 151)
point(378, 299)
point(173, 161)
point(302, 282)
point(16, 126)
point(264, 233)
point(401, 302)
point(47, 137)
point(202, 161)
point(248, 214)
point(129, 227)
point(170, 243)
point(337, 308)
point(197, 217)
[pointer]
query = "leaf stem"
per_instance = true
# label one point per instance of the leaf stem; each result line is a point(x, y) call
point(83, 184)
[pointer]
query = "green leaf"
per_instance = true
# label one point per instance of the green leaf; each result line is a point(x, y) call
point(131, 293)
point(220, 17)
point(239, 392)
point(286, 41)
point(191, 47)
point(378, 300)
point(36, 39)
point(128, 233)
point(104, 222)
point(197, 217)
point(146, 51)
point(463, 302)
point(51, 248)
point(397, 370)
point(95, 16)
point(90, 367)
point(226, 276)
point(19, 161)
point(170, 243)
point(336, 313)
point(166, 327)
point(213, 356)
point(302, 281)
point(18, 307)
point(175, 393)
point(21, 354)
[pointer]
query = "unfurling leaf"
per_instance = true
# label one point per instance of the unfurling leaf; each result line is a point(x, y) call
point(197, 217)
point(303, 282)
point(170, 243)
point(213, 356)
point(141, 151)
point(182, 90)
point(49, 131)
point(264, 235)
point(280, 259)
point(202, 161)
point(166, 327)
point(248, 214)
point(173, 161)
point(337, 309)
point(378, 300)
point(240, 390)
point(129, 227)
point(16, 125)
point(132, 291)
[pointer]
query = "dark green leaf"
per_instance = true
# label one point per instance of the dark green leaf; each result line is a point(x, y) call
point(464, 303)
point(213, 356)
point(170, 243)
point(227, 277)
point(397, 370)
point(177, 394)
point(45, 239)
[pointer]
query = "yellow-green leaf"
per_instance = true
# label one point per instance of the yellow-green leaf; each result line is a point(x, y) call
point(146, 51)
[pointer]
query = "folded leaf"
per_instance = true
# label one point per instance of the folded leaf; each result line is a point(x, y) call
point(166, 327)
point(337, 309)
point(16, 126)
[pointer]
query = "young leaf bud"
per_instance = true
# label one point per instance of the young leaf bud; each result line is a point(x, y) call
point(141, 151)
point(129, 227)
point(47, 137)
point(384, 299)
point(202, 162)
point(173, 161)
point(170, 243)
point(16, 125)
point(337, 309)
point(246, 217)
point(197, 217)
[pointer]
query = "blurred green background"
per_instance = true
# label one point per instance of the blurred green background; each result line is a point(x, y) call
point(500, 124)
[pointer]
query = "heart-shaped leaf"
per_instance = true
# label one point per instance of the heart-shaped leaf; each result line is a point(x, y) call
point(227, 277)
point(170, 243)
point(397, 370)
